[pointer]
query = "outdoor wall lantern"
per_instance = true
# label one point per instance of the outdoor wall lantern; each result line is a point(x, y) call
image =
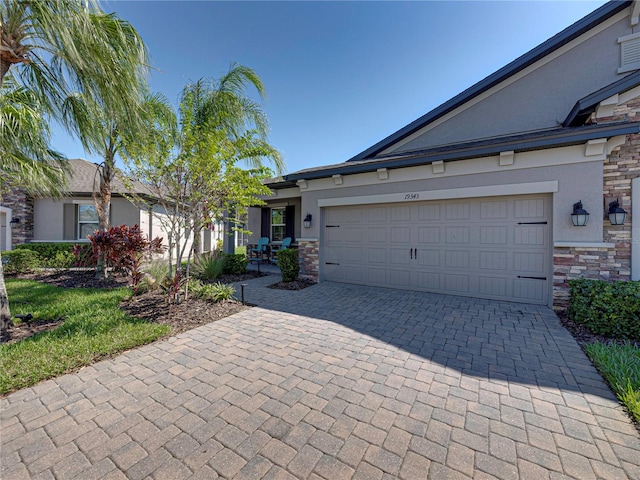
point(580, 216)
point(307, 221)
point(14, 221)
point(617, 214)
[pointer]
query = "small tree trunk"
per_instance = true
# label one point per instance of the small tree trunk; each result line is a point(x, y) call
point(5, 312)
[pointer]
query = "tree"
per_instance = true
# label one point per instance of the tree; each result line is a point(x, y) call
point(201, 177)
point(50, 50)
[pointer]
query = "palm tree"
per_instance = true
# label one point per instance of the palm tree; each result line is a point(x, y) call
point(50, 51)
point(224, 107)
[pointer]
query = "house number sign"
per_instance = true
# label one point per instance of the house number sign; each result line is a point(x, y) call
point(412, 196)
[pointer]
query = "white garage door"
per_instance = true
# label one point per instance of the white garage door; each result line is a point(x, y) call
point(495, 247)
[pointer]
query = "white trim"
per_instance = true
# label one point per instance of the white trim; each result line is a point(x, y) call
point(306, 239)
point(584, 244)
point(9, 216)
point(635, 229)
point(468, 192)
point(570, 155)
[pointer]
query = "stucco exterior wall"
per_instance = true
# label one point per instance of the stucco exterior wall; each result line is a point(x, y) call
point(575, 181)
point(539, 97)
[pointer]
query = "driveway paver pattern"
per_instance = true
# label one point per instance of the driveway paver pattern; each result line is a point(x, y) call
point(333, 382)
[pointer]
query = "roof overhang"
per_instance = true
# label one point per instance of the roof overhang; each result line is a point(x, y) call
point(538, 140)
point(584, 107)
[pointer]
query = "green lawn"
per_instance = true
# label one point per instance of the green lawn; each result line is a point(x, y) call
point(94, 328)
point(620, 366)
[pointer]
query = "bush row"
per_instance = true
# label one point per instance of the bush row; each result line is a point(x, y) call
point(606, 308)
point(30, 256)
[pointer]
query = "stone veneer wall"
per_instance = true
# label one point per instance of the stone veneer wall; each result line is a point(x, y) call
point(309, 259)
point(607, 263)
point(21, 206)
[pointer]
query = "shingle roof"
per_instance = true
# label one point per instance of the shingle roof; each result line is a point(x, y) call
point(557, 137)
point(84, 175)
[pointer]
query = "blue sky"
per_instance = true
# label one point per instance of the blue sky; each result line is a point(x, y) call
point(340, 76)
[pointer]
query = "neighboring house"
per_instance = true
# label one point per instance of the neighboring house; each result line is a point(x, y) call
point(73, 217)
point(476, 197)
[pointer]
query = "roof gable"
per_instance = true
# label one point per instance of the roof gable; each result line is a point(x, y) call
point(545, 49)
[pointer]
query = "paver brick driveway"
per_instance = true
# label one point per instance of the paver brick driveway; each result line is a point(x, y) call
point(333, 382)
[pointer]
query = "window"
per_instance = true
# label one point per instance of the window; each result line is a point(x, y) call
point(87, 220)
point(278, 224)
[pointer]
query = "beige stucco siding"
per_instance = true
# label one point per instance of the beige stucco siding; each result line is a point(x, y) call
point(534, 99)
point(574, 183)
point(48, 219)
point(123, 212)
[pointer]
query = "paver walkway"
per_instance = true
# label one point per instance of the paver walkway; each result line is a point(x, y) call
point(333, 382)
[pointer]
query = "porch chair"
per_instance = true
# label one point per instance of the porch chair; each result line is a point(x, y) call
point(260, 250)
point(286, 243)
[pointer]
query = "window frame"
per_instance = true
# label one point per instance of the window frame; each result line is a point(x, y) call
point(80, 222)
point(282, 225)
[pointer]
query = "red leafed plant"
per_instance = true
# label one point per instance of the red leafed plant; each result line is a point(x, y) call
point(124, 248)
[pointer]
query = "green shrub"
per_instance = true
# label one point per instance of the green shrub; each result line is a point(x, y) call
point(234, 264)
point(20, 261)
point(606, 308)
point(47, 250)
point(215, 292)
point(60, 261)
point(208, 266)
point(288, 264)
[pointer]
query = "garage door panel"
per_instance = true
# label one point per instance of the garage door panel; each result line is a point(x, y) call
point(399, 278)
point(527, 262)
point(494, 210)
point(530, 209)
point(377, 276)
point(429, 258)
point(428, 212)
point(375, 255)
point(375, 215)
point(355, 215)
point(429, 235)
point(494, 261)
point(429, 281)
point(401, 235)
point(494, 235)
point(457, 259)
point(476, 247)
point(529, 290)
point(377, 235)
point(457, 211)
point(456, 283)
point(353, 234)
point(493, 287)
point(530, 235)
point(400, 256)
point(400, 214)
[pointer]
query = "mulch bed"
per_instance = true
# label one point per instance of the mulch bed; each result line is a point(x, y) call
point(295, 285)
point(152, 306)
point(584, 336)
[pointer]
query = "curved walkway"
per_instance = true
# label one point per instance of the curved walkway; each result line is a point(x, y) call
point(333, 382)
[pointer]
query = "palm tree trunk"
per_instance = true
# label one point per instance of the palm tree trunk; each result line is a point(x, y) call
point(5, 312)
point(4, 68)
